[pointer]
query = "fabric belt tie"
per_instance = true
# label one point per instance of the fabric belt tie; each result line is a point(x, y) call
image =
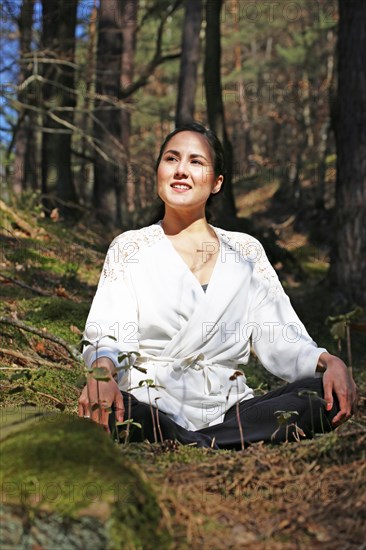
point(212, 381)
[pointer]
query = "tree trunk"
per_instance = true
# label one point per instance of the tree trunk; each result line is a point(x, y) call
point(129, 27)
point(242, 140)
point(224, 206)
point(189, 62)
point(58, 41)
point(326, 133)
point(86, 172)
point(349, 261)
point(24, 138)
point(110, 159)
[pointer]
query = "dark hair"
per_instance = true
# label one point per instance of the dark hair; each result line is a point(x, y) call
point(211, 138)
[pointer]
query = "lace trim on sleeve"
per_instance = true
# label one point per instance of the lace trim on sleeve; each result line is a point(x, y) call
point(125, 249)
point(251, 250)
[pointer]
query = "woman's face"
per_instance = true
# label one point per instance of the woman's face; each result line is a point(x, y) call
point(185, 173)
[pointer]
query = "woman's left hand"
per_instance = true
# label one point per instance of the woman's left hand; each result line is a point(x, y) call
point(338, 379)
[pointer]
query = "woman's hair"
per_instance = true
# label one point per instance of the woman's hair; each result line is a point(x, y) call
point(211, 138)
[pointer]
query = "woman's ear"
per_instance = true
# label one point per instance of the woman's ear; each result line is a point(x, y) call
point(218, 183)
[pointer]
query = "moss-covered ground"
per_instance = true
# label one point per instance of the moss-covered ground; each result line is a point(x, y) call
point(57, 463)
point(299, 495)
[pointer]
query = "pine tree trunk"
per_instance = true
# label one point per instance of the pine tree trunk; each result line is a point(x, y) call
point(129, 27)
point(189, 62)
point(349, 262)
point(86, 172)
point(110, 158)
point(242, 142)
point(222, 206)
point(24, 138)
point(58, 40)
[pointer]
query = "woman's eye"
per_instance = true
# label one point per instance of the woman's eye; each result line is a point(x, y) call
point(170, 158)
point(195, 161)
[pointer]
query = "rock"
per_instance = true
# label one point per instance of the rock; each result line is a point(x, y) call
point(65, 485)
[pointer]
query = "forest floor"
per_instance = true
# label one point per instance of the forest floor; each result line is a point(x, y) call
point(303, 495)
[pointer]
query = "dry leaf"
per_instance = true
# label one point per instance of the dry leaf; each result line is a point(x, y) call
point(318, 531)
point(55, 216)
point(75, 330)
point(284, 524)
point(39, 347)
point(61, 291)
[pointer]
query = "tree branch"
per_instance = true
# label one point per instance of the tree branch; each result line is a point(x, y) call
point(157, 58)
point(71, 127)
point(149, 69)
point(24, 285)
point(28, 359)
point(17, 355)
point(72, 351)
point(22, 224)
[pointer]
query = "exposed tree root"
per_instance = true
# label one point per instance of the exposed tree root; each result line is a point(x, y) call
point(24, 285)
point(72, 351)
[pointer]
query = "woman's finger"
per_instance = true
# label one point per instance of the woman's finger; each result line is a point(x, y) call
point(343, 408)
point(100, 415)
point(328, 393)
point(80, 409)
point(119, 407)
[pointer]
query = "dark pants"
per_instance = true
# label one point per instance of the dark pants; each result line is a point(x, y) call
point(262, 418)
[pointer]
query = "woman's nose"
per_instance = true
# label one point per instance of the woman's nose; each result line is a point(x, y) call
point(181, 169)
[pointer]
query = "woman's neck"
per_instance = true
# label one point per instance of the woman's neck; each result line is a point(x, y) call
point(175, 223)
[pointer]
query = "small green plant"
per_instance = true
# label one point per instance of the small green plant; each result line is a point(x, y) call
point(313, 396)
point(100, 374)
point(282, 419)
point(158, 420)
point(122, 357)
point(128, 422)
point(235, 376)
point(150, 384)
point(340, 329)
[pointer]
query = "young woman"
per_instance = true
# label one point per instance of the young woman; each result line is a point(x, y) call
point(185, 300)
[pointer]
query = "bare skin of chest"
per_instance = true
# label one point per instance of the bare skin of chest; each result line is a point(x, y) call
point(199, 257)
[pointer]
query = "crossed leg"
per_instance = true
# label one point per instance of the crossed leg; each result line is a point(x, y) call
point(301, 403)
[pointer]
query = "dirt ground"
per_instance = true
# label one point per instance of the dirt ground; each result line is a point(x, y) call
point(306, 495)
point(303, 495)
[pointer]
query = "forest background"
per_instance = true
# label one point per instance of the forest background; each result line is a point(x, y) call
point(90, 89)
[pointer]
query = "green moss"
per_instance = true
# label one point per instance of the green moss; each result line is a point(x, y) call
point(63, 384)
point(67, 465)
point(185, 455)
point(56, 315)
point(260, 379)
point(315, 268)
point(313, 261)
point(160, 457)
point(25, 254)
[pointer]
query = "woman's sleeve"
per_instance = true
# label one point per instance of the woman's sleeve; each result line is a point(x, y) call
point(112, 323)
point(279, 338)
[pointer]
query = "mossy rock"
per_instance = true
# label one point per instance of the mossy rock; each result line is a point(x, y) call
point(65, 485)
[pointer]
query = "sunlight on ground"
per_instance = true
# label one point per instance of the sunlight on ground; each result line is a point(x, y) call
point(254, 201)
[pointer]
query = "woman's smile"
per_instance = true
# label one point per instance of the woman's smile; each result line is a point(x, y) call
point(180, 187)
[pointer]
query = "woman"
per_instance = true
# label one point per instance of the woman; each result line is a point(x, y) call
point(190, 298)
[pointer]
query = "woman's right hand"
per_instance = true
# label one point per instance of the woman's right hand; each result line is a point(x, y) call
point(95, 401)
